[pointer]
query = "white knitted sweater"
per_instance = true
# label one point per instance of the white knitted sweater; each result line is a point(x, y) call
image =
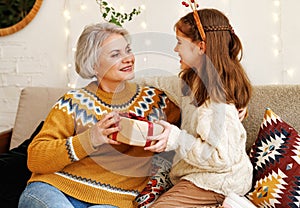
point(210, 148)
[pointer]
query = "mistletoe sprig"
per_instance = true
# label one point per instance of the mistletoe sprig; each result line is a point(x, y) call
point(110, 14)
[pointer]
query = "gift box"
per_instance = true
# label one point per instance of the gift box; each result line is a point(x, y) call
point(135, 129)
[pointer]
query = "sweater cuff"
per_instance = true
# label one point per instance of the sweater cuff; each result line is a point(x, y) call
point(85, 142)
point(173, 138)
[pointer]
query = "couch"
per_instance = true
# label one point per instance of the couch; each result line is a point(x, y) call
point(35, 103)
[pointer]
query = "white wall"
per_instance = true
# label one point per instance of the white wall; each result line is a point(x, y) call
point(41, 54)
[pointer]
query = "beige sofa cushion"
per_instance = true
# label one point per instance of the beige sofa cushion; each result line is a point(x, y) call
point(284, 100)
point(34, 105)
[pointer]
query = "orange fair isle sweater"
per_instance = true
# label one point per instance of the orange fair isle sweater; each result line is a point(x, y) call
point(63, 156)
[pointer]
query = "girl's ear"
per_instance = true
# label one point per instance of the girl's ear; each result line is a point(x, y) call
point(202, 46)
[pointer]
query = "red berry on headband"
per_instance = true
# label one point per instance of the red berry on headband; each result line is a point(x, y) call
point(185, 4)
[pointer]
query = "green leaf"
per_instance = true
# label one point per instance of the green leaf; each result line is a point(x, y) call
point(107, 9)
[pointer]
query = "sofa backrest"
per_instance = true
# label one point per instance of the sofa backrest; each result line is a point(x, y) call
point(283, 100)
point(34, 105)
point(36, 102)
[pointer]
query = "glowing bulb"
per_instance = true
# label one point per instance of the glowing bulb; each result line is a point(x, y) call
point(143, 7)
point(290, 72)
point(67, 14)
point(277, 3)
point(276, 38)
point(144, 25)
point(83, 7)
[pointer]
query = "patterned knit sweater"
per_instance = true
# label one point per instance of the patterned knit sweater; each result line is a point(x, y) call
point(63, 156)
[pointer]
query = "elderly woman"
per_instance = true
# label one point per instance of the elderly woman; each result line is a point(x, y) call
point(73, 161)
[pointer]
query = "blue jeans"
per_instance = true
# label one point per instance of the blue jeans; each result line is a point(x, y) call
point(43, 195)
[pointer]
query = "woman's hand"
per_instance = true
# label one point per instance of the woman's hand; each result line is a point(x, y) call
point(243, 113)
point(103, 128)
point(161, 139)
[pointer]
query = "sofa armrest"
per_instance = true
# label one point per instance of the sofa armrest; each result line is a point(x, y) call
point(5, 138)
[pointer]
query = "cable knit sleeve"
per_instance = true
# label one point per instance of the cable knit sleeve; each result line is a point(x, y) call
point(57, 146)
point(219, 142)
point(169, 84)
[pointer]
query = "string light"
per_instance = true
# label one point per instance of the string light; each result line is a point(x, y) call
point(276, 37)
point(143, 7)
point(290, 72)
point(277, 51)
point(144, 25)
point(277, 3)
point(83, 6)
point(276, 19)
point(67, 16)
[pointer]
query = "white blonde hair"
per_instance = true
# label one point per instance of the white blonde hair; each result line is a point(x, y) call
point(89, 44)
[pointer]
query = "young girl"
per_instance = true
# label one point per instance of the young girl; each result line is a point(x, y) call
point(211, 160)
point(73, 161)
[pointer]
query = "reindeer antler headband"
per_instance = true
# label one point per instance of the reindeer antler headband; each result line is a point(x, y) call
point(194, 5)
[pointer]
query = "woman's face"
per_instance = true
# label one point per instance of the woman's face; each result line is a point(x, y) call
point(116, 63)
point(188, 51)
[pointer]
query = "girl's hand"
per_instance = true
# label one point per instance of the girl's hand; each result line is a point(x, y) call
point(103, 128)
point(161, 139)
point(243, 113)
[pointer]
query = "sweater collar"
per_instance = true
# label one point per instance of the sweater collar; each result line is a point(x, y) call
point(114, 98)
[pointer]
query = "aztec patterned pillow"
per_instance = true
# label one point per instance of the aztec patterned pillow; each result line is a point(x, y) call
point(275, 156)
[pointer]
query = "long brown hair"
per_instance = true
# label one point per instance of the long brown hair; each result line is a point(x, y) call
point(221, 77)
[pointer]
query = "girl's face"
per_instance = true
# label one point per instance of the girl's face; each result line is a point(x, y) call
point(116, 63)
point(188, 51)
